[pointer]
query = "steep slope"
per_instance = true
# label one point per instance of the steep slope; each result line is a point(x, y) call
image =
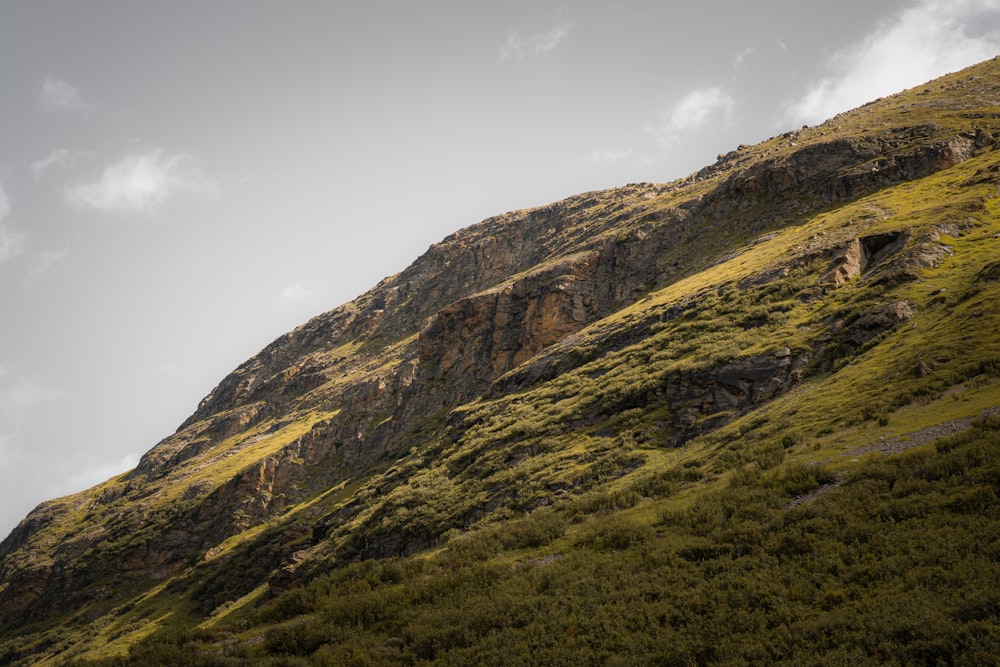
point(633, 350)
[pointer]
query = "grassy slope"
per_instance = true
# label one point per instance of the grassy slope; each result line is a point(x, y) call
point(897, 565)
point(608, 542)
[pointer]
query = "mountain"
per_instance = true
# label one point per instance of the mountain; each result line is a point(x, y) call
point(749, 416)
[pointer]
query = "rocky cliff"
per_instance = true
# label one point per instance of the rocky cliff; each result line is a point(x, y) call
point(519, 361)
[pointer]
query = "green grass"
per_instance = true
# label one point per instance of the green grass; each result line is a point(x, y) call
point(895, 565)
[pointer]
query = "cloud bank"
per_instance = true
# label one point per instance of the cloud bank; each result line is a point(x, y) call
point(60, 157)
point(58, 95)
point(610, 154)
point(520, 46)
point(11, 243)
point(693, 111)
point(298, 293)
point(922, 42)
point(141, 183)
point(43, 263)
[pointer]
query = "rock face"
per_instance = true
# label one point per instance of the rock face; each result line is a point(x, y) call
point(703, 400)
point(485, 335)
point(333, 406)
point(848, 264)
point(853, 260)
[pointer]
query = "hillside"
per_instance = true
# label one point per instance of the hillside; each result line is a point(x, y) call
point(752, 415)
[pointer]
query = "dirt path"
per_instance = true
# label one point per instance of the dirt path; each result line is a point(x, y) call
point(922, 437)
point(814, 494)
point(898, 444)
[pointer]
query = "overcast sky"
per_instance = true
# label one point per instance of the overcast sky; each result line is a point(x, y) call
point(182, 182)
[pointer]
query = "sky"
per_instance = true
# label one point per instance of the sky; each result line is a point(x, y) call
point(181, 182)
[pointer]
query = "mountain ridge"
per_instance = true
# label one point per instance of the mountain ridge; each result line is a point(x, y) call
point(542, 355)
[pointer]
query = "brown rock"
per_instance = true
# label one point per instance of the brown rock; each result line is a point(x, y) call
point(847, 264)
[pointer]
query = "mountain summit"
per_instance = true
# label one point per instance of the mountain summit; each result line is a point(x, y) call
point(701, 422)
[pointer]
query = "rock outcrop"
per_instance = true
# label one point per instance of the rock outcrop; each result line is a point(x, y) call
point(854, 259)
point(705, 400)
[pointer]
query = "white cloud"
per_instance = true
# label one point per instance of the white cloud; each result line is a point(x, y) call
point(519, 46)
point(60, 157)
point(44, 262)
point(924, 41)
point(610, 154)
point(141, 183)
point(11, 242)
point(298, 293)
point(58, 95)
point(695, 110)
point(741, 57)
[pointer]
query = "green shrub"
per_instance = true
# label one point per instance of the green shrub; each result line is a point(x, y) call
point(613, 532)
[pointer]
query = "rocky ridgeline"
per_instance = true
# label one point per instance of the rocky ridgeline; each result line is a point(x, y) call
point(541, 274)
